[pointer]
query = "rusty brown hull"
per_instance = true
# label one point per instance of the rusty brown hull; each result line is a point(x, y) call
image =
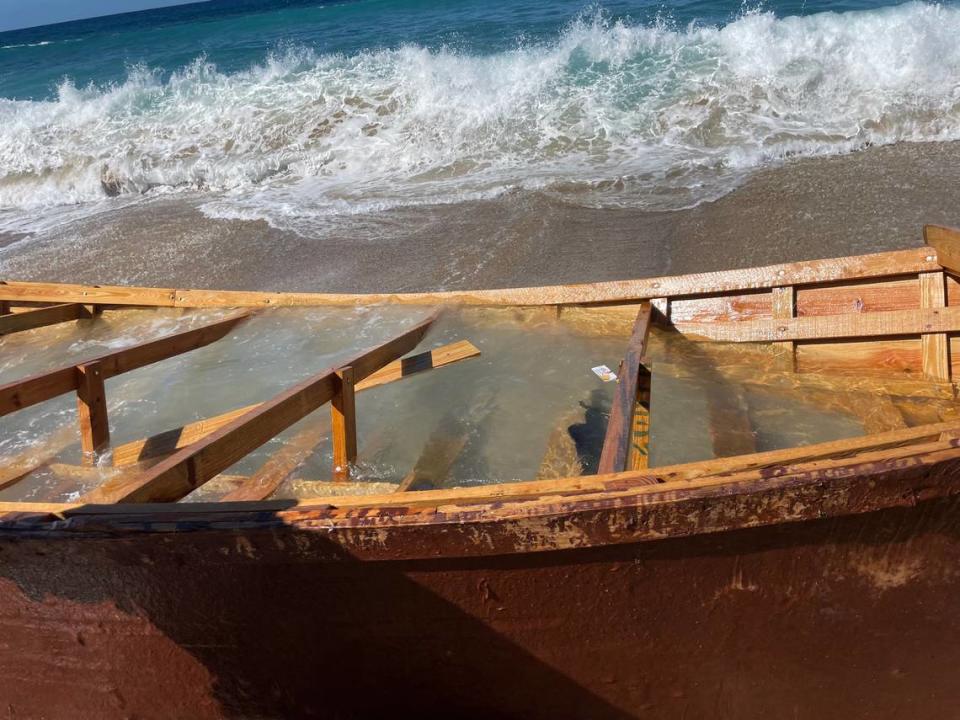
point(856, 616)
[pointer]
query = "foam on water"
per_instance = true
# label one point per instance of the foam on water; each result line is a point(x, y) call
point(606, 114)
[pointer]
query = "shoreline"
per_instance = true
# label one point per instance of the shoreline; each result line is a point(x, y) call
point(870, 201)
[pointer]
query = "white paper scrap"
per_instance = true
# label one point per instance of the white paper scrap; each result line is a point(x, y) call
point(604, 373)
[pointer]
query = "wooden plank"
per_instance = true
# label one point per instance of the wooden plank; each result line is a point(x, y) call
point(858, 297)
point(343, 418)
point(935, 348)
point(821, 327)
point(785, 308)
point(17, 322)
point(279, 466)
point(887, 264)
point(882, 359)
point(92, 407)
point(638, 455)
point(708, 472)
point(19, 394)
point(946, 241)
point(167, 442)
point(616, 442)
point(15, 469)
point(438, 456)
point(192, 466)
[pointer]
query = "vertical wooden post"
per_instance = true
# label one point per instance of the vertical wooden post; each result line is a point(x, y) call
point(343, 415)
point(4, 307)
point(92, 408)
point(785, 308)
point(935, 347)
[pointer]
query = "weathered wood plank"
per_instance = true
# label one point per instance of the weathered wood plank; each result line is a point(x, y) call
point(946, 241)
point(708, 472)
point(189, 468)
point(821, 327)
point(900, 262)
point(17, 322)
point(638, 455)
point(935, 348)
point(92, 407)
point(171, 440)
point(343, 419)
point(616, 442)
point(784, 308)
point(279, 466)
point(45, 386)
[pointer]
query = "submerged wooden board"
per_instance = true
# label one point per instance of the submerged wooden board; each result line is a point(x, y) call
point(192, 466)
point(899, 262)
point(41, 317)
point(167, 442)
point(882, 358)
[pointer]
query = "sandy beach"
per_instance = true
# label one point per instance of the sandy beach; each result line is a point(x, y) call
point(873, 200)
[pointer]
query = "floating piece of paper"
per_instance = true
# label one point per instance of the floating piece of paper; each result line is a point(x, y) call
point(604, 373)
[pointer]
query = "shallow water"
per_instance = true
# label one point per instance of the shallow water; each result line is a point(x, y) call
point(528, 407)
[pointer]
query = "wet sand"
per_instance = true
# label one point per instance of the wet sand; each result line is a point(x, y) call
point(874, 200)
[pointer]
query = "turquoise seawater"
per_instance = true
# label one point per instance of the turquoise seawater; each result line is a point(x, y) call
point(296, 112)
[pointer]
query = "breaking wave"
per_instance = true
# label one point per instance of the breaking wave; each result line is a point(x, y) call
point(607, 114)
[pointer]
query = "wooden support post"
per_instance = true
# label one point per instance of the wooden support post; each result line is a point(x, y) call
point(92, 408)
point(785, 308)
point(617, 441)
point(4, 307)
point(343, 414)
point(935, 347)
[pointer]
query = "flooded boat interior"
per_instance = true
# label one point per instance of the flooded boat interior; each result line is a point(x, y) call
point(302, 402)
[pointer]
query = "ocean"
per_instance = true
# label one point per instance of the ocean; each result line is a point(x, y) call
point(312, 118)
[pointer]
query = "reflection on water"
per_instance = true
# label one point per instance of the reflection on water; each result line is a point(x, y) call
point(528, 407)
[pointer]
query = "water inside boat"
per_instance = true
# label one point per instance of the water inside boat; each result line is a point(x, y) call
point(529, 406)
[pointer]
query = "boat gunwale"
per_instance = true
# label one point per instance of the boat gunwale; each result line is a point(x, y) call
point(361, 511)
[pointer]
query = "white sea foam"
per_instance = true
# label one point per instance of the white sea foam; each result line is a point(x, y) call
point(607, 114)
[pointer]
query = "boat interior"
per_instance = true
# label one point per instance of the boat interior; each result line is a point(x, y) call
point(118, 395)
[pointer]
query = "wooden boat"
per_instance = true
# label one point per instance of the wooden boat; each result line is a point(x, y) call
point(815, 581)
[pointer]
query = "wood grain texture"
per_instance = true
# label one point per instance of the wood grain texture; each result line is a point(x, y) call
point(858, 297)
point(45, 386)
point(279, 466)
point(616, 442)
point(934, 347)
point(784, 301)
point(946, 241)
point(192, 466)
point(92, 407)
point(343, 421)
point(822, 327)
point(879, 358)
point(171, 440)
point(899, 262)
point(41, 317)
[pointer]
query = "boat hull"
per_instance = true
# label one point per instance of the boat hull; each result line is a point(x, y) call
point(845, 617)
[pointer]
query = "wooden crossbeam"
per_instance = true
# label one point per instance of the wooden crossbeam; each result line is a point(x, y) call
point(616, 442)
point(194, 465)
point(30, 319)
point(172, 440)
point(849, 326)
point(19, 394)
